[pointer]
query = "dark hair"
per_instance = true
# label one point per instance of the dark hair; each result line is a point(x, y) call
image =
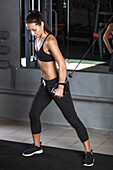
point(36, 17)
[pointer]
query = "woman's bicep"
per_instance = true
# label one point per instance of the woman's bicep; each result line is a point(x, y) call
point(108, 30)
point(55, 51)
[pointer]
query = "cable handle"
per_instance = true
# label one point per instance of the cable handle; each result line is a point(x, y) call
point(66, 87)
point(55, 86)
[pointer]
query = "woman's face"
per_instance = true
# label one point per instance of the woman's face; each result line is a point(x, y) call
point(34, 29)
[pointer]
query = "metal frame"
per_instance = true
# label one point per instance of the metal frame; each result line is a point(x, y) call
point(27, 55)
point(50, 14)
point(32, 37)
point(68, 21)
point(38, 5)
point(44, 9)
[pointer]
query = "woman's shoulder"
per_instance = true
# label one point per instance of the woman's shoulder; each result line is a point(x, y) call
point(51, 40)
point(51, 37)
point(110, 26)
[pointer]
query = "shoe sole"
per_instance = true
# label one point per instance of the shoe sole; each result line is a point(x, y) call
point(37, 152)
point(89, 164)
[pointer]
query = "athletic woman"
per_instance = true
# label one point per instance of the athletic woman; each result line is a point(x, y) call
point(47, 52)
point(109, 31)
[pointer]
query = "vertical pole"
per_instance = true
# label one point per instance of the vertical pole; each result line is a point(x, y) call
point(20, 8)
point(44, 9)
point(96, 23)
point(97, 16)
point(67, 28)
point(32, 5)
point(33, 38)
point(26, 7)
point(38, 5)
point(50, 15)
point(100, 44)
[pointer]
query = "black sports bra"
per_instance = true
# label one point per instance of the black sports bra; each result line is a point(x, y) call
point(42, 56)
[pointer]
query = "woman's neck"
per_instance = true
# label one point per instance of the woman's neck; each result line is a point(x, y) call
point(43, 35)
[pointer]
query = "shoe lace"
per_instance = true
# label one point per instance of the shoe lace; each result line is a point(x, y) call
point(88, 155)
point(31, 147)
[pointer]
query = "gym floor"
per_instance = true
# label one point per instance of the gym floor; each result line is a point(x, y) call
point(56, 136)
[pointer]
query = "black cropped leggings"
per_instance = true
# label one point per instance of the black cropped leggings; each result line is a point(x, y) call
point(43, 97)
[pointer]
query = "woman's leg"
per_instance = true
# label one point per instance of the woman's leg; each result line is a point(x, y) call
point(41, 100)
point(66, 106)
point(36, 139)
point(87, 146)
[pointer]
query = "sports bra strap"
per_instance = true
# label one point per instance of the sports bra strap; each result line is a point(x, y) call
point(46, 38)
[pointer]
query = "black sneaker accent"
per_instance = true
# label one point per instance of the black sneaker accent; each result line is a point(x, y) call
point(33, 150)
point(89, 159)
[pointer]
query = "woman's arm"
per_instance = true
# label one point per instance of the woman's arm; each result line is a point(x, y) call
point(105, 37)
point(55, 51)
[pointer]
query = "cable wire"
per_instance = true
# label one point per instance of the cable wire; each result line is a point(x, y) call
point(70, 74)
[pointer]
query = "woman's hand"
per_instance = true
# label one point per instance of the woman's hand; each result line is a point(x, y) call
point(59, 91)
point(111, 51)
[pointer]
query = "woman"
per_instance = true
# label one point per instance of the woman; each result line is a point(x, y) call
point(109, 31)
point(48, 53)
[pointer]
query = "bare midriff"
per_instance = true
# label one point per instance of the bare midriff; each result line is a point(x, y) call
point(49, 70)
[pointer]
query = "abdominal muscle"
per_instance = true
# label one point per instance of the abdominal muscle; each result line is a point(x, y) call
point(49, 70)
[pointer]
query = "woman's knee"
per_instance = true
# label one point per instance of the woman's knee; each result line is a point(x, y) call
point(30, 115)
point(33, 116)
